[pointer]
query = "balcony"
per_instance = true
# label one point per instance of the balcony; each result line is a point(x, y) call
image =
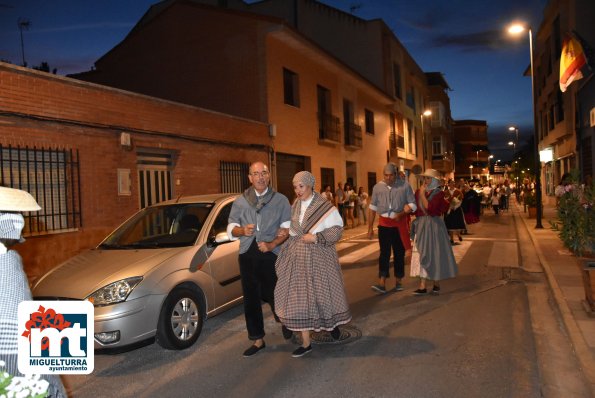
point(328, 128)
point(442, 164)
point(353, 136)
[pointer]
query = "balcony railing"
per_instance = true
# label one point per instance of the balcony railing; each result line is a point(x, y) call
point(353, 135)
point(328, 127)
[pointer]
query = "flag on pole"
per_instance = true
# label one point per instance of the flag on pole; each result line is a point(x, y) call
point(571, 61)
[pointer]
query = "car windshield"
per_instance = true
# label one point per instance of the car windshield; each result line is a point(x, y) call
point(171, 225)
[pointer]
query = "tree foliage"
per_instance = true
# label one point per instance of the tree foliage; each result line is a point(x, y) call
point(576, 217)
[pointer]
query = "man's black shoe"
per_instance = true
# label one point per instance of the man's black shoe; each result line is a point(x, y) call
point(254, 349)
point(286, 332)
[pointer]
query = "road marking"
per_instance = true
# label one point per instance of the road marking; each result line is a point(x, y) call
point(460, 250)
point(494, 239)
point(358, 254)
point(364, 240)
point(345, 245)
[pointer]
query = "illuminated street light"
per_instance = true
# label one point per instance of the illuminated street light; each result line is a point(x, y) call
point(489, 168)
point(425, 113)
point(516, 132)
point(516, 29)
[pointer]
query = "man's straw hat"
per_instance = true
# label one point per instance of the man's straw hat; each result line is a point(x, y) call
point(17, 200)
point(431, 173)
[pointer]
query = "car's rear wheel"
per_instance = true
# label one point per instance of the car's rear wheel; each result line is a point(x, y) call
point(181, 318)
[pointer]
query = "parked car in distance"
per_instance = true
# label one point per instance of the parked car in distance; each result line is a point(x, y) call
point(159, 274)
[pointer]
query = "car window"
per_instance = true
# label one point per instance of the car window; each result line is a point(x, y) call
point(220, 224)
point(161, 226)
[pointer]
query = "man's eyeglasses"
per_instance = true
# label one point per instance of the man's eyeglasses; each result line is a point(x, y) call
point(259, 174)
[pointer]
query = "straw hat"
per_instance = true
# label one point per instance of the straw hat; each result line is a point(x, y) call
point(17, 200)
point(431, 173)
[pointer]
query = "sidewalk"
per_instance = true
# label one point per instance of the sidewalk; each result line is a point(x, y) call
point(566, 283)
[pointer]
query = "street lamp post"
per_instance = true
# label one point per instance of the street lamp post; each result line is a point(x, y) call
point(515, 144)
point(516, 29)
point(489, 158)
point(23, 24)
point(516, 132)
point(477, 162)
point(425, 113)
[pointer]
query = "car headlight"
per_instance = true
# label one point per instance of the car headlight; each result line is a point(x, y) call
point(114, 292)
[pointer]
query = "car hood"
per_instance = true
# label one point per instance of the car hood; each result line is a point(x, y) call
point(83, 274)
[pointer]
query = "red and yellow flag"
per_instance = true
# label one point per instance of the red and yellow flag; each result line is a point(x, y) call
point(572, 60)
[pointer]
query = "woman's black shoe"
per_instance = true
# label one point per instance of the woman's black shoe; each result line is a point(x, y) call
point(286, 332)
point(301, 351)
point(336, 333)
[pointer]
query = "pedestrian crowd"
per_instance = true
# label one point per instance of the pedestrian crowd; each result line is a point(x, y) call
point(288, 256)
point(287, 251)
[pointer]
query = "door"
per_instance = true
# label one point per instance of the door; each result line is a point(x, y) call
point(287, 166)
point(154, 176)
point(223, 261)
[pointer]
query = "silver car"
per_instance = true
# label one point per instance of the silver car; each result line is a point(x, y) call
point(159, 274)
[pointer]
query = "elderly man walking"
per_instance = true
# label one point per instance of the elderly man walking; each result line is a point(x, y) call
point(260, 218)
point(393, 200)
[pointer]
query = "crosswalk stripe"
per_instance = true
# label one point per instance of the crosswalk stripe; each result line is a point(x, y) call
point(358, 254)
point(354, 256)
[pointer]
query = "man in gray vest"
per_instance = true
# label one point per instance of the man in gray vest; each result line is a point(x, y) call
point(393, 199)
point(260, 218)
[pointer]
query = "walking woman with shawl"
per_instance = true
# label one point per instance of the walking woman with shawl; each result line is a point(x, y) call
point(310, 294)
point(436, 259)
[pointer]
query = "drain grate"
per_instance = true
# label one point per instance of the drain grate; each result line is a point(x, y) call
point(349, 334)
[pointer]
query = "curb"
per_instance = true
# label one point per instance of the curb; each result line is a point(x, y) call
point(582, 350)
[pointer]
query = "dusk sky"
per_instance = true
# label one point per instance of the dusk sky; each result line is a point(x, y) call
point(465, 40)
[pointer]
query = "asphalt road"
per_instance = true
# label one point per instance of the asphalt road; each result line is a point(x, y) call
point(476, 339)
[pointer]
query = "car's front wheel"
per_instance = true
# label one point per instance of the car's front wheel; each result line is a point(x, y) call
point(181, 318)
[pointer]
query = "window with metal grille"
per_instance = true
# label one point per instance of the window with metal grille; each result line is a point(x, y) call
point(234, 176)
point(52, 177)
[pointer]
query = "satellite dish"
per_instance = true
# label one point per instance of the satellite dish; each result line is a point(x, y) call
point(416, 169)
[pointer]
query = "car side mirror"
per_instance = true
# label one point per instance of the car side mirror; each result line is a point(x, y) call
point(219, 239)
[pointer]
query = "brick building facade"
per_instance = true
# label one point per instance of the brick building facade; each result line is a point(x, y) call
point(93, 155)
point(471, 149)
point(324, 116)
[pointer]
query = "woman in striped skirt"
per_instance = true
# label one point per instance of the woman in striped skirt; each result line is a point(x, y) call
point(310, 294)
